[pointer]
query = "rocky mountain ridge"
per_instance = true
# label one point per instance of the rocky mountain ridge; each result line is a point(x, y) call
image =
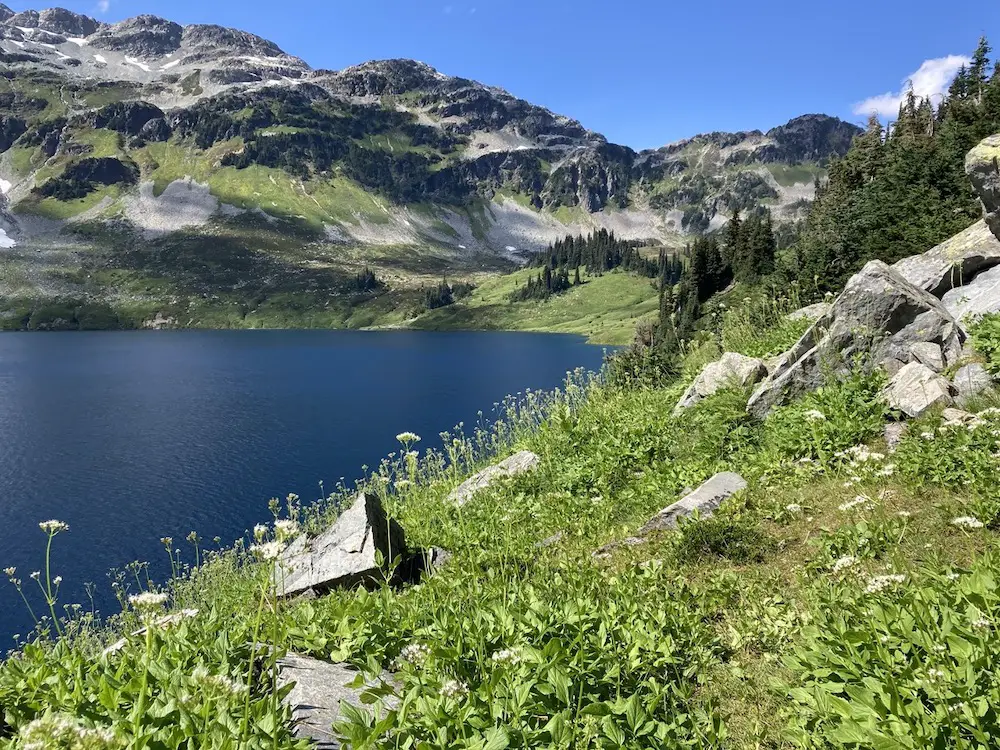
point(167, 133)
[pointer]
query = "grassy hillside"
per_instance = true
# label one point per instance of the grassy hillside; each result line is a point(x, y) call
point(603, 308)
point(846, 599)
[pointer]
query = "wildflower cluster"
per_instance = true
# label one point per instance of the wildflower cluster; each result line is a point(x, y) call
point(53, 731)
point(881, 583)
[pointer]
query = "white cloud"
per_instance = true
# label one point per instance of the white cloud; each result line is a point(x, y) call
point(932, 78)
point(103, 6)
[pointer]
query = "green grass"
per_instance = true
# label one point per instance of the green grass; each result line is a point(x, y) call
point(605, 308)
point(51, 208)
point(105, 143)
point(788, 175)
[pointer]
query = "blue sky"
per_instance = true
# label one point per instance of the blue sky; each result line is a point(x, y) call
point(643, 72)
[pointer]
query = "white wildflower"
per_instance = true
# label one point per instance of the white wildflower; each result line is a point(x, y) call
point(952, 576)
point(793, 508)
point(507, 656)
point(843, 563)
point(408, 437)
point(453, 689)
point(59, 730)
point(813, 415)
point(220, 682)
point(268, 550)
point(260, 532)
point(285, 529)
point(57, 580)
point(982, 623)
point(415, 653)
point(9, 572)
point(53, 527)
point(36, 575)
point(147, 600)
point(935, 675)
point(904, 514)
point(927, 435)
point(859, 501)
point(880, 583)
point(967, 522)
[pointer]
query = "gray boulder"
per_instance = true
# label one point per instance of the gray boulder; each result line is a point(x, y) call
point(810, 312)
point(916, 388)
point(929, 354)
point(971, 380)
point(977, 298)
point(982, 164)
point(319, 690)
point(953, 263)
point(876, 321)
point(731, 370)
point(706, 500)
point(519, 463)
point(345, 554)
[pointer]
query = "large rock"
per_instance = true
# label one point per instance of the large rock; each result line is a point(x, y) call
point(519, 463)
point(732, 370)
point(982, 164)
point(953, 263)
point(319, 691)
point(345, 554)
point(979, 297)
point(916, 388)
point(875, 322)
point(969, 381)
point(706, 500)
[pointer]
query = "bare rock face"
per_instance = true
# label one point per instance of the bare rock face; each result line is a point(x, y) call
point(876, 321)
point(320, 689)
point(519, 463)
point(954, 263)
point(731, 370)
point(67, 23)
point(145, 36)
point(916, 388)
point(344, 555)
point(982, 164)
point(5, 13)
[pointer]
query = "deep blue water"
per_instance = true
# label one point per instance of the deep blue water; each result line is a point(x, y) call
point(129, 437)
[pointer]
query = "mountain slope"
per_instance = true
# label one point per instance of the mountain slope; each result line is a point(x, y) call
point(131, 152)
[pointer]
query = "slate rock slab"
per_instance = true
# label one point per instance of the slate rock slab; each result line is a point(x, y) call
point(971, 380)
point(519, 463)
point(344, 555)
point(953, 263)
point(706, 500)
point(916, 388)
point(731, 370)
point(979, 297)
point(320, 689)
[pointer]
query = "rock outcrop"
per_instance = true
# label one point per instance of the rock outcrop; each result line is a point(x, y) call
point(953, 263)
point(319, 691)
point(810, 312)
point(876, 321)
point(731, 370)
point(916, 389)
point(982, 164)
point(346, 554)
point(519, 463)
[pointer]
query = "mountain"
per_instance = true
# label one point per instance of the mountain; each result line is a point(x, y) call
point(145, 161)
